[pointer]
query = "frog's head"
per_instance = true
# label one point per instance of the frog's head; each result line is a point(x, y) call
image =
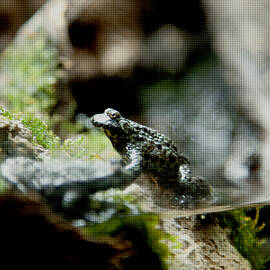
point(114, 125)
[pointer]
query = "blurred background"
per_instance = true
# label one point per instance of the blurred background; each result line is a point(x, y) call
point(13, 14)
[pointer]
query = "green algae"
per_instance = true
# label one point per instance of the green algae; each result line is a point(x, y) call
point(244, 235)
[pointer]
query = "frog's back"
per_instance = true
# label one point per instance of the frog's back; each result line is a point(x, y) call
point(160, 154)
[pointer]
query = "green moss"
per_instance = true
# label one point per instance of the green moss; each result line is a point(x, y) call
point(86, 146)
point(144, 223)
point(3, 185)
point(244, 235)
point(130, 215)
point(32, 71)
point(40, 132)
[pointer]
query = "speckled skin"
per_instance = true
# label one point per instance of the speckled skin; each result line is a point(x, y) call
point(155, 152)
point(146, 150)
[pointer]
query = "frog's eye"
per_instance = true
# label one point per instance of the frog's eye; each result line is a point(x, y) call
point(113, 114)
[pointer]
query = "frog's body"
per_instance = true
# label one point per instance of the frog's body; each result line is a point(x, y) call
point(139, 144)
point(146, 150)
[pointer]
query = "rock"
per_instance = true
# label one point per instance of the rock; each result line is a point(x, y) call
point(41, 237)
point(205, 246)
point(16, 140)
point(65, 184)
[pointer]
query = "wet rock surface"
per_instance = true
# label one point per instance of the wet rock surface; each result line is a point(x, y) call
point(66, 184)
point(199, 245)
point(205, 247)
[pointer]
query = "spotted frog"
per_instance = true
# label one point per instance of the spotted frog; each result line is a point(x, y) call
point(145, 150)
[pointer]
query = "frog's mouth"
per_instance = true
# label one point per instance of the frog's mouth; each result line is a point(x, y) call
point(109, 126)
point(101, 120)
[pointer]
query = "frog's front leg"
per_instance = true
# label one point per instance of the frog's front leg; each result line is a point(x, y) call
point(123, 176)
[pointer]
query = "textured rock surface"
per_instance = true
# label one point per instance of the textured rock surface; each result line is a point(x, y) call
point(16, 140)
point(204, 246)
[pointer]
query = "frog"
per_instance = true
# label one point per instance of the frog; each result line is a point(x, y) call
point(145, 150)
